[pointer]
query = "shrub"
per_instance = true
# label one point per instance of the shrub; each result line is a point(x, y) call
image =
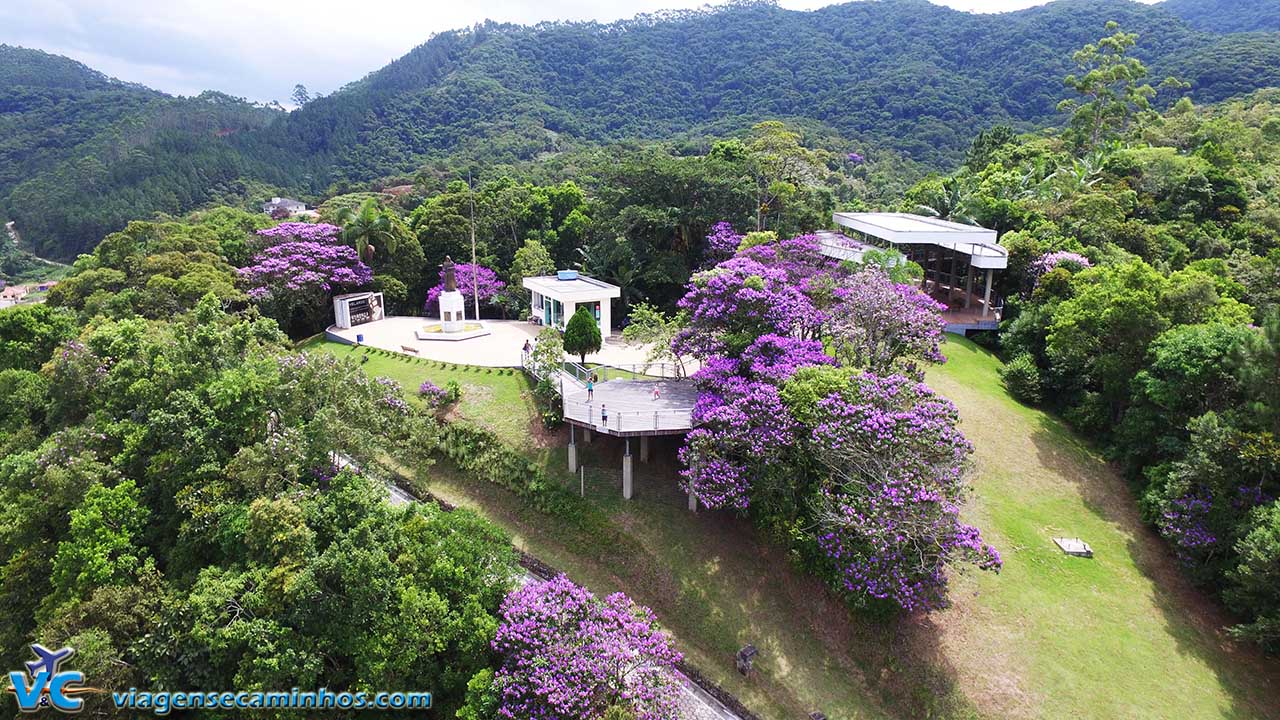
point(582, 334)
point(438, 397)
point(1021, 377)
point(453, 391)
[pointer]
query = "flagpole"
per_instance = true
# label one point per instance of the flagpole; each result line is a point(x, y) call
point(475, 269)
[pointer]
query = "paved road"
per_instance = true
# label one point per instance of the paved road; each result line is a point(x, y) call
point(695, 703)
point(13, 235)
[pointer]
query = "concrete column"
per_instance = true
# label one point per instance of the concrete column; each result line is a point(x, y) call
point(693, 502)
point(644, 448)
point(968, 286)
point(937, 268)
point(986, 296)
point(586, 435)
point(626, 470)
point(606, 318)
point(951, 279)
point(573, 451)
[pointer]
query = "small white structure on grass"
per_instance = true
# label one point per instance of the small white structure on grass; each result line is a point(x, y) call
point(556, 297)
point(1074, 546)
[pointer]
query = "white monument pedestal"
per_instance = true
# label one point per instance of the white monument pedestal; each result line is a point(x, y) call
point(452, 316)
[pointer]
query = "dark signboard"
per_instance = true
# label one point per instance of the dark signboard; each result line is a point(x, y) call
point(365, 309)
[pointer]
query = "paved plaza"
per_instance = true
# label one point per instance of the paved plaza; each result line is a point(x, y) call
point(500, 348)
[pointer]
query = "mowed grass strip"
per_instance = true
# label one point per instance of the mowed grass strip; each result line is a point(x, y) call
point(1122, 635)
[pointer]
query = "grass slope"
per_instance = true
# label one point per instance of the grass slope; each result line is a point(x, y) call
point(1121, 636)
point(497, 398)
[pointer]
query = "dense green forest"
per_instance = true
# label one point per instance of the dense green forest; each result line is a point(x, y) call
point(901, 79)
point(1227, 15)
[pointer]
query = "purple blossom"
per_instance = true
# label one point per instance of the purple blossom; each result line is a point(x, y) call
point(889, 512)
point(735, 302)
point(433, 394)
point(301, 232)
point(743, 430)
point(568, 655)
point(885, 326)
point(855, 158)
point(470, 278)
point(776, 358)
point(722, 242)
point(1073, 261)
point(300, 257)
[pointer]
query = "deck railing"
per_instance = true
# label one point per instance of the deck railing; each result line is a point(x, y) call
point(623, 371)
point(629, 420)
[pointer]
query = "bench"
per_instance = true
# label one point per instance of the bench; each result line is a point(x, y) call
point(411, 350)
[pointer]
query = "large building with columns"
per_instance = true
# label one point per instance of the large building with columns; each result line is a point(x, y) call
point(959, 261)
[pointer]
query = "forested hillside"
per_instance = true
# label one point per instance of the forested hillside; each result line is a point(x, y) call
point(81, 154)
point(902, 77)
point(1227, 16)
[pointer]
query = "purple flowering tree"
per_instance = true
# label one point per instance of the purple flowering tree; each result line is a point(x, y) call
point(297, 268)
point(722, 242)
point(742, 436)
point(871, 463)
point(1062, 258)
point(888, 510)
point(471, 278)
point(568, 655)
point(884, 326)
point(735, 302)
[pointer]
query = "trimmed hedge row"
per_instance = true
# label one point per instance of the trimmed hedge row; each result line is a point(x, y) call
point(480, 453)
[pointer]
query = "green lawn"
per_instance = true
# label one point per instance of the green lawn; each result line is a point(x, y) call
point(1119, 636)
point(498, 398)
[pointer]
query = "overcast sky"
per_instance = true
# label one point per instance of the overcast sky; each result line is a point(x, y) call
point(260, 48)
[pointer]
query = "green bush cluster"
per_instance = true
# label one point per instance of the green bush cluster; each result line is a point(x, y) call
point(1021, 377)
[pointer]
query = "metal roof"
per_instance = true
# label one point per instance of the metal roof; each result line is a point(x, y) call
point(579, 289)
point(906, 229)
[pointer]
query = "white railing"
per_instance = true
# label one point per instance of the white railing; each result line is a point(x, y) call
point(624, 371)
point(629, 420)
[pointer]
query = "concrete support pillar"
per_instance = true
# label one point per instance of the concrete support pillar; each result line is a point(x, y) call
point(626, 470)
point(573, 451)
point(644, 448)
point(693, 502)
point(968, 286)
point(951, 279)
point(586, 435)
point(986, 296)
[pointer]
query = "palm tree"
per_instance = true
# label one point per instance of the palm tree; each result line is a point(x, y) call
point(953, 202)
point(371, 223)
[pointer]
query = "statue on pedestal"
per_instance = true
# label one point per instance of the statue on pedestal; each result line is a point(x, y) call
point(450, 279)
